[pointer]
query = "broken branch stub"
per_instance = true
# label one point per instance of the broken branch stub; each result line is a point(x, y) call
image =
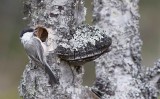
point(88, 43)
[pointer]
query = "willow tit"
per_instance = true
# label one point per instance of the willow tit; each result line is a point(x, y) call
point(36, 51)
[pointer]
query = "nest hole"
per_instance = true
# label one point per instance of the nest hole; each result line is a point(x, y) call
point(42, 33)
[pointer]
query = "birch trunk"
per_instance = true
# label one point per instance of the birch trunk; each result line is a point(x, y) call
point(58, 17)
point(119, 73)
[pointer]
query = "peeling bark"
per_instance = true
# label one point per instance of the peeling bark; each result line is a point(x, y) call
point(59, 17)
point(119, 73)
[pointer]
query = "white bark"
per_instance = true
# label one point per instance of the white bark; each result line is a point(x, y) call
point(58, 17)
point(119, 74)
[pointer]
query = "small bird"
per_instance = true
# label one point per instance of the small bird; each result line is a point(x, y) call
point(32, 40)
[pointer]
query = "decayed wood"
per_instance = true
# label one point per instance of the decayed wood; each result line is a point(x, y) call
point(58, 17)
point(119, 74)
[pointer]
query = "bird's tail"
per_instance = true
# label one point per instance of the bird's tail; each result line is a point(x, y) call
point(48, 70)
point(52, 78)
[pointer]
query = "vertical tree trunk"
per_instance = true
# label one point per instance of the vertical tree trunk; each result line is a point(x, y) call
point(58, 17)
point(118, 73)
point(120, 66)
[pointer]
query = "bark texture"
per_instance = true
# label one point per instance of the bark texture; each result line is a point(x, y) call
point(119, 74)
point(59, 17)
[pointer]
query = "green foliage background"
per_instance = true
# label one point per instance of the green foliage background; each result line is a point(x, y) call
point(13, 58)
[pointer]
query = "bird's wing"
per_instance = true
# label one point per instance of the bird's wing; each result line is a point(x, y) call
point(34, 50)
point(39, 51)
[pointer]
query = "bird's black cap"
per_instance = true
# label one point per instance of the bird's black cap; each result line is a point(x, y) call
point(26, 30)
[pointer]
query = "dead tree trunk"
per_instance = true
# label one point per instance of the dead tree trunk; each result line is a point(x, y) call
point(58, 17)
point(118, 73)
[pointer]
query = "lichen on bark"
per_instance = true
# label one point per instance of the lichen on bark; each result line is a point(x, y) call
point(58, 17)
point(119, 72)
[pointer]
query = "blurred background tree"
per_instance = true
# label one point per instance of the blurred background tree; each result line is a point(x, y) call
point(13, 58)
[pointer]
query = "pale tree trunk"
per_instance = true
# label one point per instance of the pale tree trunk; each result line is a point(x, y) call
point(58, 17)
point(118, 73)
